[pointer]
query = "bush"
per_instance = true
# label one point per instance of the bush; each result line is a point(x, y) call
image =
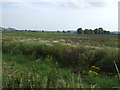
point(106, 63)
point(71, 56)
point(67, 56)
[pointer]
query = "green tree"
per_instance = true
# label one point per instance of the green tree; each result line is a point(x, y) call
point(96, 31)
point(80, 31)
point(68, 31)
point(106, 32)
point(101, 31)
point(91, 31)
point(64, 31)
point(86, 31)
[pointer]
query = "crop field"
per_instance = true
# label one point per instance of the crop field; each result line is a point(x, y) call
point(59, 60)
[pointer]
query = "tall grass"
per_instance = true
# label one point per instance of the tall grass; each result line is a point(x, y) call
point(67, 56)
point(46, 74)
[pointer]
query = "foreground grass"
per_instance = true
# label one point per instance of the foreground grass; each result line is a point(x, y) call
point(21, 72)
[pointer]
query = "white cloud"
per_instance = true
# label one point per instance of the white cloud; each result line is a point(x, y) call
point(88, 3)
point(30, 15)
point(70, 3)
point(76, 1)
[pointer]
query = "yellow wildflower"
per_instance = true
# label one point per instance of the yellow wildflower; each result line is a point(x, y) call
point(95, 67)
point(98, 68)
point(92, 72)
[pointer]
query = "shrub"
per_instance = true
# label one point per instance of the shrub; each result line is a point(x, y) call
point(71, 56)
point(67, 56)
point(106, 63)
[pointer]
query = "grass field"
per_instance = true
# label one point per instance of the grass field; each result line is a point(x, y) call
point(59, 60)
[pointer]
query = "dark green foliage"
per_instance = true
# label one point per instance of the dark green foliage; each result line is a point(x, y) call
point(100, 82)
point(67, 56)
point(106, 63)
point(71, 57)
point(80, 31)
point(64, 31)
point(90, 31)
point(86, 31)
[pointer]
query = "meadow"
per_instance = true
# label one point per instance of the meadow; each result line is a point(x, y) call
point(59, 60)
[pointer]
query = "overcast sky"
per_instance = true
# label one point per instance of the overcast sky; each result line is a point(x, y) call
point(59, 14)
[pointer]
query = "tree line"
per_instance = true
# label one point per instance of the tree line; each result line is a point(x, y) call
point(90, 31)
point(79, 31)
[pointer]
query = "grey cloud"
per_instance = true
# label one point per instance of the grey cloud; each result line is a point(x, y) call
point(73, 5)
point(82, 4)
point(69, 5)
point(97, 4)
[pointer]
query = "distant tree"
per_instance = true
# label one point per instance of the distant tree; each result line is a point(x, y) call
point(101, 31)
point(96, 31)
point(86, 31)
point(63, 31)
point(106, 32)
point(91, 31)
point(80, 31)
point(58, 31)
point(34, 31)
point(42, 30)
point(68, 31)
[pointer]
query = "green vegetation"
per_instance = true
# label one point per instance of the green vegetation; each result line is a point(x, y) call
point(90, 31)
point(59, 60)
